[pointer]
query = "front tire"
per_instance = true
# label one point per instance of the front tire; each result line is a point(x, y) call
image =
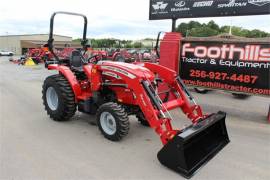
point(112, 120)
point(142, 119)
point(240, 96)
point(58, 98)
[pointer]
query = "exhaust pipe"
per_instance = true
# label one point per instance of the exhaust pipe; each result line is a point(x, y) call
point(193, 147)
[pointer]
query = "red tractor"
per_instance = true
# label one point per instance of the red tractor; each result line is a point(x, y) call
point(109, 54)
point(114, 55)
point(37, 55)
point(65, 53)
point(115, 90)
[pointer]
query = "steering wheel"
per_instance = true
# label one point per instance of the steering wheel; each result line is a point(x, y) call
point(94, 59)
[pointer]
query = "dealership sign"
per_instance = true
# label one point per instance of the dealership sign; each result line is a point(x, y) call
point(239, 67)
point(174, 9)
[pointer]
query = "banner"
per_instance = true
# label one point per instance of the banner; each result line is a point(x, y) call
point(241, 67)
point(174, 9)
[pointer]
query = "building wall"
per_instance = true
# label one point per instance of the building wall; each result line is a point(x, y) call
point(13, 42)
point(10, 43)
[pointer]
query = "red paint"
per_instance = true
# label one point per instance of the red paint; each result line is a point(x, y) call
point(68, 74)
point(170, 51)
point(125, 82)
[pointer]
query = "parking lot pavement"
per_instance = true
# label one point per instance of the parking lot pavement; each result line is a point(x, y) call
point(35, 147)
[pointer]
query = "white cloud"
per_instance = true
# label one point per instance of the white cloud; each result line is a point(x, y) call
point(125, 19)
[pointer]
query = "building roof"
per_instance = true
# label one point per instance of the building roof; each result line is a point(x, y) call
point(57, 44)
point(33, 35)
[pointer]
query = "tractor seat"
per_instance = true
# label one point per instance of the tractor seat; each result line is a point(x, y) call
point(110, 52)
point(76, 62)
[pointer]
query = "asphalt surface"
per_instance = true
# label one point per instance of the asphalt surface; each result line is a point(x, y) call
point(35, 147)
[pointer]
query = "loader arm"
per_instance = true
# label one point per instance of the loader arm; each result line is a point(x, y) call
point(193, 112)
point(185, 150)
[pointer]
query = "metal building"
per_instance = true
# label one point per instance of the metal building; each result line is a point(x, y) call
point(20, 43)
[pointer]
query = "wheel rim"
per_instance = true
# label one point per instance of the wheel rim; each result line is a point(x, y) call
point(108, 123)
point(52, 98)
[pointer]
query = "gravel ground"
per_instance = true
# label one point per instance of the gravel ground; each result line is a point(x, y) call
point(35, 147)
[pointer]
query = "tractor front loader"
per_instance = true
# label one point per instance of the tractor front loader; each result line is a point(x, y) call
point(115, 90)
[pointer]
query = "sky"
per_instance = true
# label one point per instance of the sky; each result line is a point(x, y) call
point(123, 19)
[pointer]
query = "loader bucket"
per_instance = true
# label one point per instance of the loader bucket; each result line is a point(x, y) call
point(195, 146)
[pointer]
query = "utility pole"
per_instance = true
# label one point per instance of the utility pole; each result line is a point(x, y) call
point(230, 31)
point(174, 25)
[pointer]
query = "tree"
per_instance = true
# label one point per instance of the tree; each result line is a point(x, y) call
point(196, 29)
point(128, 45)
point(257, 33)
point(204, 31)
point(194, 24)
point(211, 24)
point(183, 28)
point(137, 45)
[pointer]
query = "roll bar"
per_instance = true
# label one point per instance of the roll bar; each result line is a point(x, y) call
point(50, 41)
point(157, 43)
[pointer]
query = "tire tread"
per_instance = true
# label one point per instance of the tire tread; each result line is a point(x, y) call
point(121, 117)
point(67, 95)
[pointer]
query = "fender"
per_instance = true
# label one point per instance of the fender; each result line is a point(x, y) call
point(67, 73)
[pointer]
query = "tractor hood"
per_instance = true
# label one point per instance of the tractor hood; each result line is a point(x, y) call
point(130, 70)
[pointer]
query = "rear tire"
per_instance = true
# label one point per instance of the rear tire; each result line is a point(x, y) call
point(142, 119)
point(58, 98)
point(112, 120)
